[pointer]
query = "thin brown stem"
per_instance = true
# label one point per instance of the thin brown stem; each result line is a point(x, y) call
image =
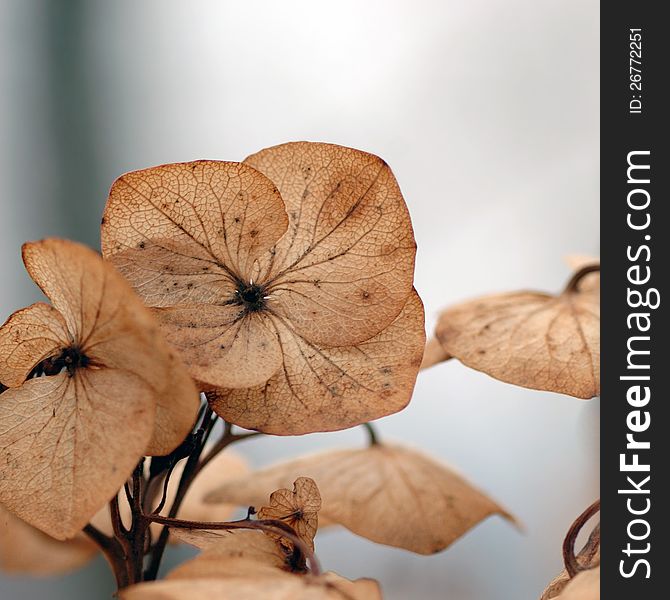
point(572, 565)
point(138, 530)
point(114, 553)
point(207, 424)
point(269, 525)
point(226, 439)
point(572, 285)
point(115, 515)
point(372, 434)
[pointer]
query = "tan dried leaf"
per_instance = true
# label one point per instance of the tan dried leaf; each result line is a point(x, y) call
point(530, 339)
point(26, 550)
point(584, 586)
point(348, 256)
point(328, 586)
point(233, 554)
point(298, 508)
point(388, 494)
point(186, 235)
point(433, 354)
point(247, 544)
point(324, 389)
point(69, 440)
point(253, 307)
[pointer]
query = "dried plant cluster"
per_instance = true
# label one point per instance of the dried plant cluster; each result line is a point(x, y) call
point(271, 296)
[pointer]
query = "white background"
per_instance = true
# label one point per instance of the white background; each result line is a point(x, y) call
point(486, 111)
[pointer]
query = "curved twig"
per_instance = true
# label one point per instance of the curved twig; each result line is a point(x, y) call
point(269, 525)
point(572, 565)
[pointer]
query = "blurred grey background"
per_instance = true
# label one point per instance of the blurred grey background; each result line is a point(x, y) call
point(486, 110)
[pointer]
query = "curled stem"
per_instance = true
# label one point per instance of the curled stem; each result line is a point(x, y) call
point(571, 286)
point(572, 565)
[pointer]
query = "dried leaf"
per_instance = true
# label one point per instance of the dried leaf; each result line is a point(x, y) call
point(298, 508)
point(388, 494)
point(233, 554)
point(433, 354)
point(328, 586)
point(247, 544)
point(254, 308)
point(29, 336)
point(332, 388)
point(530, 339)
point(69, 439)
point(584, 586)
point(26, 550)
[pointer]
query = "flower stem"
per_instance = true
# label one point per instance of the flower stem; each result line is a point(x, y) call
point(373, 437)
point(206, 425)
point(114, 553)
point(268, 525)
point(571, 286)
point(572, 565)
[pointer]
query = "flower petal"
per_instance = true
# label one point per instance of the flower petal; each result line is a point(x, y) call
point(172, 273)
point(29, 336)
point(344, 269)
point(114, 329)
point(67, 444)
point(223, 212)
point(222, 345)
point(333, 388)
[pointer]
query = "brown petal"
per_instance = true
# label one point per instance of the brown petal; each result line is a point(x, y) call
point(247, 544)
point(390, 495)
point(530, 339)
point(29, 336)
point(344, 270)
point(26, 550)
point(114, 329)
point(174, 273)
point(68, 444)
point(334, 388)
point(231, 211)
point(298, 508)
point(328, 586)
point(222, 345)
point(191, 234)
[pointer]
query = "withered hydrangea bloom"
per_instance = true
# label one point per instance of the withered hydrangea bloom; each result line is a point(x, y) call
point(92, 387)
point(285, 281)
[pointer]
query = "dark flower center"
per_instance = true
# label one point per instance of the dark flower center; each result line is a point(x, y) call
point(251, 296)
point(71, 359)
